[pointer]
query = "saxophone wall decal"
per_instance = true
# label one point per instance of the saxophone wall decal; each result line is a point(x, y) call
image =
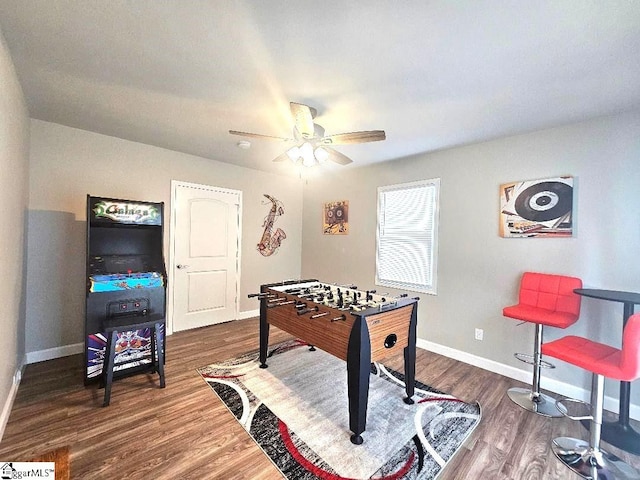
point(270, 240)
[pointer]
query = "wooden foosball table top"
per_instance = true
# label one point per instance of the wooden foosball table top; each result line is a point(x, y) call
point(323, 314)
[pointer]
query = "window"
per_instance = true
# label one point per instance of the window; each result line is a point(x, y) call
point(407, 239)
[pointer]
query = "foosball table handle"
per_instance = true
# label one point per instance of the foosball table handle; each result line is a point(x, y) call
point(278, 304)
point(307, 310)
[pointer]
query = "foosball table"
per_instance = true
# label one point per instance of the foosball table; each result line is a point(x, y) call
point(356, 326)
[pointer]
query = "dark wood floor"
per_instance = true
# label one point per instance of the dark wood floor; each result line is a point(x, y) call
point(184, 431)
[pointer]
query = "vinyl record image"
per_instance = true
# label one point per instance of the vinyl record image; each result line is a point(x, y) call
point(537, 208)
point(544, 201)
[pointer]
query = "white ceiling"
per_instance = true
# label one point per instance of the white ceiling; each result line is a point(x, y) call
point(433, 74)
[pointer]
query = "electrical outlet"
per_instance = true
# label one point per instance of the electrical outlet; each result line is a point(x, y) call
point(479, 334)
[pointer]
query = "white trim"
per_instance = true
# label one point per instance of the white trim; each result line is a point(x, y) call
point(8, 404)
point(611, 404)
point(51, 353)
point(238, 252)
point(248, 314)
point(490, 365)
point(172, 229)
point(169, 292)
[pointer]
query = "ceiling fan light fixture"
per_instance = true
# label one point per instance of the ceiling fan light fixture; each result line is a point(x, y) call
point(306, 152)
point(294, 154)
point(321, 154)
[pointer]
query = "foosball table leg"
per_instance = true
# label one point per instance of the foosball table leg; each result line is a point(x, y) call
point(264, 332)
point(263, 356)
point(358, 371)
point(264, 345)
point(410, 359)
point(409, 373)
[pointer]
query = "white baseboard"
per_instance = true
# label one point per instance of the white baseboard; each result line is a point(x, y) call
point(248, 314)
point(66, 350)
point(8, 404)
point(525, 376)
point(51, 353)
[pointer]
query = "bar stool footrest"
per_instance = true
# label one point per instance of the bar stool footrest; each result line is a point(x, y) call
point(526, 358)
point(574, 409)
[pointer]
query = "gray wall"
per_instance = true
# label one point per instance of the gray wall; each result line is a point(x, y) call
point(478, 270)
point(67, 164)
point(14, 188)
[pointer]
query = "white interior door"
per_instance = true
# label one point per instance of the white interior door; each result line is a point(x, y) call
point(206, 255)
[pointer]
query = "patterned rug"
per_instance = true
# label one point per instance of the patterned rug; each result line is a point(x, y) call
point(297, 412)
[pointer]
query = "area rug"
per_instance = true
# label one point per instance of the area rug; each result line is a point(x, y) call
point(297, 412)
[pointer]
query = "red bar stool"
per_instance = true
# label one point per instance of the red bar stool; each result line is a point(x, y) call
point(544, 299)
point(588, 459)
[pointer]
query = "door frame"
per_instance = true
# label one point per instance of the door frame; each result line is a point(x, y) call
point(172, 245)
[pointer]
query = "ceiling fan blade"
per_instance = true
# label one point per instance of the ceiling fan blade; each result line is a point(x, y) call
point(337, 157)
point(354, 137)
point(303, 117)
point(259, 135)
point(282, 157)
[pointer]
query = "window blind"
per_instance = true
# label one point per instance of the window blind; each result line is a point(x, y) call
point(407, 236)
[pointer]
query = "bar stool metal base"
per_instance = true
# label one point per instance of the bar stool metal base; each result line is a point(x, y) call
point(542, 404)
point(590, 463)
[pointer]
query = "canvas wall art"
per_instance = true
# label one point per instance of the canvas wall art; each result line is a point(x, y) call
point(537, 208)
point(271, 237)
point(335, 218)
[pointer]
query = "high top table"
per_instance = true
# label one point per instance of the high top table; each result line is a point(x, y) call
point(619, 433)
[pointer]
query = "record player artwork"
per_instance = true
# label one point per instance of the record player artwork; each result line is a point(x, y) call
point(335, 218)
point(537, 208)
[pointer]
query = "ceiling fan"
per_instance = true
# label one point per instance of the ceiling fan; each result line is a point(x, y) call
point(313, 147)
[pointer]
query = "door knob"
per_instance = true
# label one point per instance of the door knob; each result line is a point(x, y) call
point(182, 266)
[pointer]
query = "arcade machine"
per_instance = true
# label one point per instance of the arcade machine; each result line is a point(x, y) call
point(126, 276)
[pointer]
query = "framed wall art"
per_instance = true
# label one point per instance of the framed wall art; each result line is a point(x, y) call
point(335, 218)
point(537, 208)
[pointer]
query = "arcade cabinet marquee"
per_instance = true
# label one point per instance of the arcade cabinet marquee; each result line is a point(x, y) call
point(125, 276)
